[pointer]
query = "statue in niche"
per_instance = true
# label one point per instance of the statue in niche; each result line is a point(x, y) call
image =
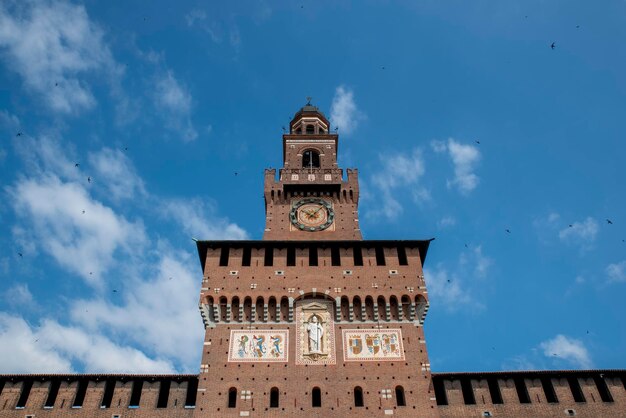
point(316, 332)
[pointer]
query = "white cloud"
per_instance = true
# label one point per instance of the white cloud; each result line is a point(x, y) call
point(199, 220)
point(196, 15)
point(54, 46)
point(152, 311)
point(447, 290)
point(174, 102)
point(398, 170)
point(85, 243)
point(616, 272)
point(568, 349)
point(477, 260)
point(446, 222)
point(22, 352)
point(53, 348)
point(118, 173)
point(344, 113)
point(19, 295)
point(581, 233)
point(464, 158)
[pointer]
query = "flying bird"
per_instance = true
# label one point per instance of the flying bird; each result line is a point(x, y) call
point(284, 129)
point(466, 246)
point(553, 45)
point(19, 134)
point(508, 231)
point(477, 141)
point(577, 26)
point(382, 68)
point(91, 272)
point(20, 254)
point(236, 173)
point(76, 165)
point(88, 179)
point(83, 211)
point(608, 221)
point(114, 290)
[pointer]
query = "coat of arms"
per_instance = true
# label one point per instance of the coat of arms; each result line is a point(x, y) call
point(356, 344)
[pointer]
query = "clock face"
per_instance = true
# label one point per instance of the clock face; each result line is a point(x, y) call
point(312, 214)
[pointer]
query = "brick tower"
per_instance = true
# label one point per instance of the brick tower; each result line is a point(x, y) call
point(313, 320)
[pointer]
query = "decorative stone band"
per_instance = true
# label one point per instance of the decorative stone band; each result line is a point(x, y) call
point(258, 346)
point(372, 345)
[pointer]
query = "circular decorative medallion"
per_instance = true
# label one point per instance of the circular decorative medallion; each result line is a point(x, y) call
point(312, 214)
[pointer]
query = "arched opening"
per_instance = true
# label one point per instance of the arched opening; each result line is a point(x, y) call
point(284, 309)
point(259, 309)
point(393, 308)
point(356, 306)
point(406, 308)
point(299, 130)
point(322, 131)
point(271, 309)
point(316, 398)
point(310, 159)
point(232, 397)
point(400, 401)
point(274, 397)
point(310, 129)
point(247, 309)
point(223, 304)
point(420, 307)
point(358, 397)
point(234, 309)
point(345, 308)
point(209, 302)
point(369, 308)
point(382, 308)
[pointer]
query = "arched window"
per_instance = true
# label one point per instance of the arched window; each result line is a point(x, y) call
point(247, 309)
point(358, 396)
point(316, 398)
point(234, 309)
point(345, 308)
point(260, 308)
point(274, 397)
point(271, 309)
point(284, 309)
point(232, 397)
point(382, 308)
point(223, 305)
point(406, 308)
point(356, 308)
point(310, 159)
point(310, 129)
point(394, 311)
point(369, 308)
point(400, 401)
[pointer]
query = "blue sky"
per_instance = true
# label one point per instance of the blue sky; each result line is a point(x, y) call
point(462, 120)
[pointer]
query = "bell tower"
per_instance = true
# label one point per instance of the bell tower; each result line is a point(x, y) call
point(311, 200)
point(312, 320)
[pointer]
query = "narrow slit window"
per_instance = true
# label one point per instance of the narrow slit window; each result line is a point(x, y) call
point(312, 256)
point(522, 390)
point(402, 260)
point(335, 256)
point(358, 397)
point(246, 257)
point(603, 389)
point(358, 256)
point(26, 387)
point(53, 392)
point(494, 391)
point(164, 393)
point(192, 393)
point(232, 397)
point(269, 256)
point(380, 256)
point(107, 397)
point(274, 394)
point(291, 256)
point(400, 399)
point(224, 256)
point(316, 398)
point(468, 392)
point(548, 389)
point(440, 392)
point(81, 391)
point(135, 394)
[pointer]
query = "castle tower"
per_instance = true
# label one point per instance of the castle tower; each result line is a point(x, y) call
point(312, 320)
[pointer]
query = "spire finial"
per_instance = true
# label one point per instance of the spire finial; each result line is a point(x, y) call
point(308, 100)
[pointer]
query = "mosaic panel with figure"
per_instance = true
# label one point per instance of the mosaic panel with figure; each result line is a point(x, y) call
point(315, 332)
